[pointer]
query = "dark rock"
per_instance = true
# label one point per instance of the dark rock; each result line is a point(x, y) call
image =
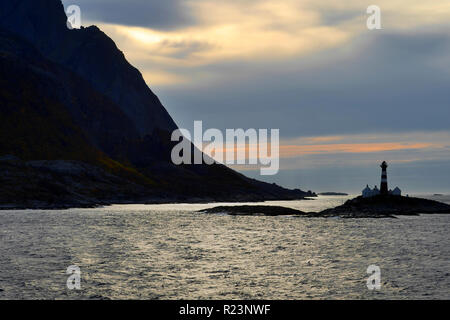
point(254, 211)
point(9, 158)
point(98, 297)
point(387, 205)
point(62, 185)
point(375, 207)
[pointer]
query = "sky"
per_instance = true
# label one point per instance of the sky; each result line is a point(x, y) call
point(344, 97)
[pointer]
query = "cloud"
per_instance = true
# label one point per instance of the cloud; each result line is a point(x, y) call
point(364, 149)
point(359, 149)
point(286, 14)
point(379, 82)
point(155, 14)
point(204, 45)
point(295, 151)
point(186, 37)
point(250, 64)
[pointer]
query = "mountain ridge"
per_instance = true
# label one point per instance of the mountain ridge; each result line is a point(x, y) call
point(89, 53)
point(59, 105)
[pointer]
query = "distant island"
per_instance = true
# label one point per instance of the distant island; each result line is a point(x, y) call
point(333, 194)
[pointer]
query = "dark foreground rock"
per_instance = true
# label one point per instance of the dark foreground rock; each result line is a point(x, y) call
point(254, 211)
point(380, 206)
point(65, 184)
point(61, 185)
point(375, 207)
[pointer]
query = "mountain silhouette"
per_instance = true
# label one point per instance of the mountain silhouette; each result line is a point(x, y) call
point(79, 125)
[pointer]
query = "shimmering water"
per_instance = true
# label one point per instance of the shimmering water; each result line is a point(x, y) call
point(170, 252)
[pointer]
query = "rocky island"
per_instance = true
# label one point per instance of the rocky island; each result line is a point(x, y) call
point(382, 206)
point(256, 210)
point(386, 206)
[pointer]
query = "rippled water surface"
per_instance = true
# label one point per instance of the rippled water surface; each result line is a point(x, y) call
point(170, 252)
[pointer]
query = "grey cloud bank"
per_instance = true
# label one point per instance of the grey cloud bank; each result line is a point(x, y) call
point(387, 82)
point(381, 83)
point(157, 14)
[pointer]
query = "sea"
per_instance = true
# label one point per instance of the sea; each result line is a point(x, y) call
point(172, 252)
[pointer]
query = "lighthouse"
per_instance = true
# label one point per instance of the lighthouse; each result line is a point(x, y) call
point(384, 183)
point(368, 192)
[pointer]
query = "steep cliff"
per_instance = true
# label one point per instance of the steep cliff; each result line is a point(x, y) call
point(71, 95)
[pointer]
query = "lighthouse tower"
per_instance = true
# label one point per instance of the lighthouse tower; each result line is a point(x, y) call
point(384, 183)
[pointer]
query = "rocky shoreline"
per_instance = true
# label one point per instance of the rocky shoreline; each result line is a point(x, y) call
point(387, 205)
point(66, 184)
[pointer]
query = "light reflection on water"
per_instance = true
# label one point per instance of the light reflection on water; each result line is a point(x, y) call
point(170, 252)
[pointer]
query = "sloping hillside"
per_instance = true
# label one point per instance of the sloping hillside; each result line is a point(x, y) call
point(94, 108)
